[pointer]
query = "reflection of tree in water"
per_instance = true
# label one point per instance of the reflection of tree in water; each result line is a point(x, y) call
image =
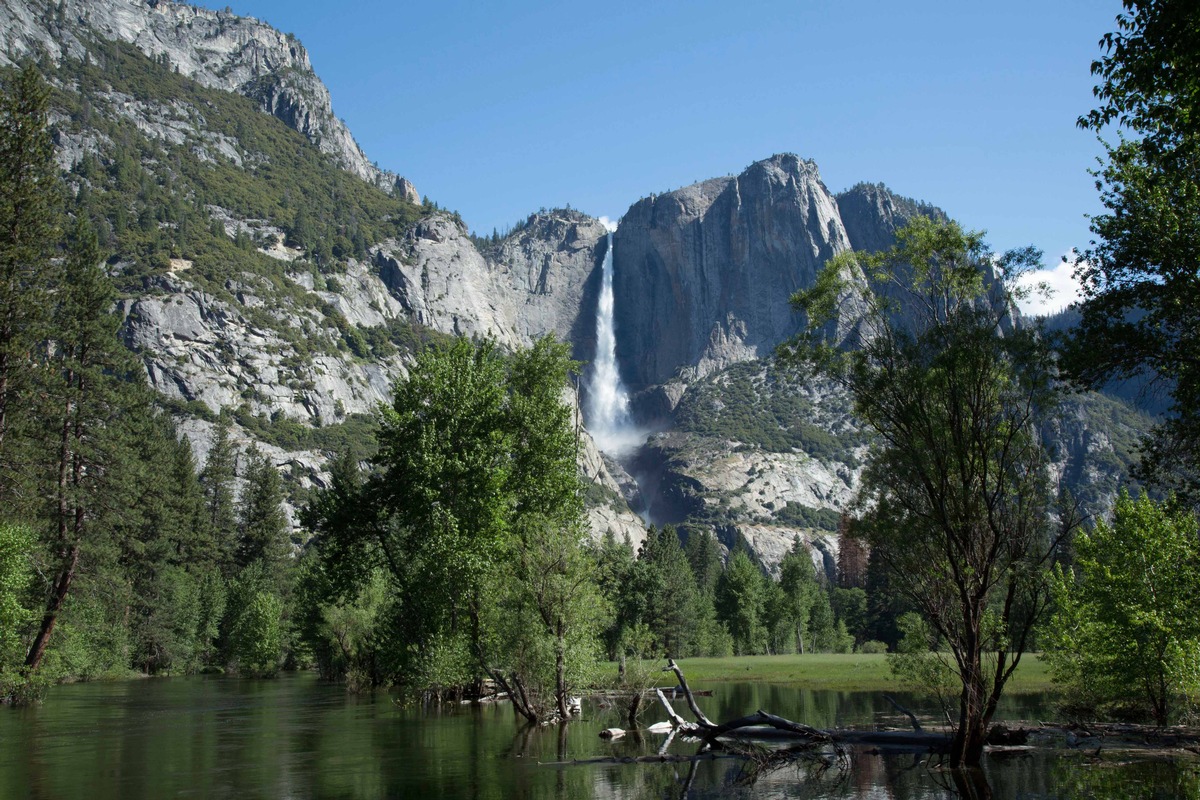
point(1081, 777)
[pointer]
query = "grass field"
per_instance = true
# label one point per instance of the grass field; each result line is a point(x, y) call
point(833, 671)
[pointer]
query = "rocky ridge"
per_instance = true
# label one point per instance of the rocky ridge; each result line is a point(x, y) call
point(704, 273)
point(216, 49)
point(703, 276)
point(198, 348)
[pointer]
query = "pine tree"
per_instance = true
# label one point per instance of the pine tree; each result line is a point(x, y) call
point(798, 581)
point(672, 602)
point(93, 373)
point(29, 209)
point(263, 527)
point(217, 481)
point(740, 603)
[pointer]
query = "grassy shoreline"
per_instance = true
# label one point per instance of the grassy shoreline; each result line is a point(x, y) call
point(841, 672)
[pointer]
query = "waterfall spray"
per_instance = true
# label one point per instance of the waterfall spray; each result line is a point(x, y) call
point(607, 400)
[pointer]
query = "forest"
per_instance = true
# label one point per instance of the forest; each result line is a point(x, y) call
point(448, 553)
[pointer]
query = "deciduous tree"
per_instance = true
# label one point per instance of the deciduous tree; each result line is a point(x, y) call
point(1125, 636)
point(954, 495)
point(1141, 282)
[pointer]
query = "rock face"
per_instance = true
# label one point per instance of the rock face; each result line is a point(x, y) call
point(197, 347)
point(871, 215)
point(552, 266)
point(702, 275)
point(539, 280)
point(215, 48)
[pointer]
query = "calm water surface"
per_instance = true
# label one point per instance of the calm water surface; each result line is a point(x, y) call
point(297, 738)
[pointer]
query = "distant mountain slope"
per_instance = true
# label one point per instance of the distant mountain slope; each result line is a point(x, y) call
point(217, 49)
point(703, 274)
point(264, 266)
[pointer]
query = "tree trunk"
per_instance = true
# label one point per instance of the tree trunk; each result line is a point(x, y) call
point(966, 749)
point(971, 784)
point(560, 672)
point(68, 553)
point(61, 587)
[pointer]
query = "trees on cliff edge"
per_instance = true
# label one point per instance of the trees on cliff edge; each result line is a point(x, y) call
point(954, 499)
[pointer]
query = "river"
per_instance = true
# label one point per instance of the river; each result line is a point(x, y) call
point(217, 737)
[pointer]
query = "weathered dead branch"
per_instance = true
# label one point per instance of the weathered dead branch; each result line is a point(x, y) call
point(762, 725)
point(687, 693)
point(912, 717)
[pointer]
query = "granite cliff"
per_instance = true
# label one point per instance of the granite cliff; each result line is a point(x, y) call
point(703, 274)
point(268, 268)
point(217, 49)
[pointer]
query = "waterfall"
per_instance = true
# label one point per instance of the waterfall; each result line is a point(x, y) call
point(607, 400)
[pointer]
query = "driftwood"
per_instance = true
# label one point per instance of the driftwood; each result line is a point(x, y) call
point(687, 693)
point(912, 717)
point(668, 758)
point(762, 725)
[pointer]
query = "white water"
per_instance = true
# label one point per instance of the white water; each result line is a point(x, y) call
point(607, 400)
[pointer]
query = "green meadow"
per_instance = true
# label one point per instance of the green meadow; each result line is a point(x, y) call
point(837, 671)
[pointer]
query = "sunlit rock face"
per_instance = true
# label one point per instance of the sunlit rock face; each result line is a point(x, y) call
point(701, 279)
point(704, 273)
point(217, 49)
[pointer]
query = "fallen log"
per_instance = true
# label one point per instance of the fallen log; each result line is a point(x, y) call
point(761, 725)
point(708, 755)
point(761, 718)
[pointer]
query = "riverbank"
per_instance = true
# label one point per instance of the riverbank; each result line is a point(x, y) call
point(866, 672)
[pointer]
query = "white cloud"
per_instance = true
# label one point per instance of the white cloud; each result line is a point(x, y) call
point(610, 225)
point(1052, 289)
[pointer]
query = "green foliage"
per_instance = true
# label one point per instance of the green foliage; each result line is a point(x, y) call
point(546, 616)
point(917, 660)
point(128, 552)
point(217, 480)
point(444, 451)
point(355, 433)
point(353, 630)
point(1139, 316)
point(256, 638)
point(760, 405)
point(29, 208)
point(669, 587)
point(153, 199)
point(473, 510)
point(850, 608)
point(263, 529)
point(798, 582)
point(955, 499)
point(740, 604)
point(282, 179)
point(827, 636)
point(801, 516)
point(92, 639)
point(16, 580)
point(1126, 632)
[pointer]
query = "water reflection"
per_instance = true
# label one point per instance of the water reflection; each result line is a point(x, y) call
point(295, 738)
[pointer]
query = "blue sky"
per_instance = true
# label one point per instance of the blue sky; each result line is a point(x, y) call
point(497, 109)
